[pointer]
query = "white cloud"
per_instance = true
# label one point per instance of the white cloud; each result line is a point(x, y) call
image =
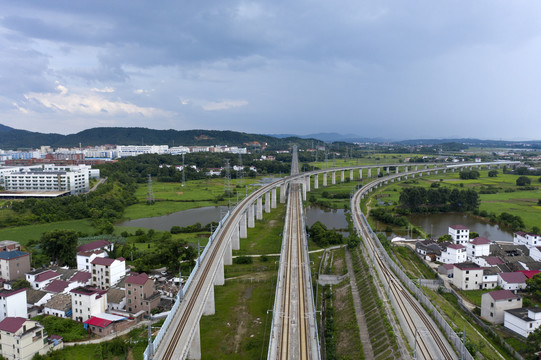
point(89, 104)
point(224, 105)
point(106, 89)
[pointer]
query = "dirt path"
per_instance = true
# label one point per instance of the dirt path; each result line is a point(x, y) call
point(361, 322)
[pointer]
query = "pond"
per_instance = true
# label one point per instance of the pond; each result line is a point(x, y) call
point(438, 224)
point(203, 215)
point(331, 218)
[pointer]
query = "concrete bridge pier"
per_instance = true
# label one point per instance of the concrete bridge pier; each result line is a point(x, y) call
point(369, 172)
point(195, 346)
point(209, 308)
point(259, 208)
point(324, 179)
point(307, 179)
point(228, 254)
point(243, 228)
point(316, 181)
point(333, 178)
point(351, 175)
point(267, 202)
point(251, 216)
point(283, 192)
point(303, 185)
point(219, 278)
point(397, 169)
point(388, 170)
point(360, 174)
point(235, 238)
point(379, 170)
point(342, 176)
point(416, 168)
point(273, 198)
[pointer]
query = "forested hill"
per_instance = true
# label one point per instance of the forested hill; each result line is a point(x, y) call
point(14, 138)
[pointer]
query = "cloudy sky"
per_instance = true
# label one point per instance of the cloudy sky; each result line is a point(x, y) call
point(394, 69)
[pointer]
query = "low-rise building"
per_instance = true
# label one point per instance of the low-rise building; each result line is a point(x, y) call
point(430, 250)
point(96, 245)
point(468, 276)
point(487, 261)
point(9, 245)
point(116, 299)
point(460, 234)
point(512, 281)
point(14, 264)
point(40, 278)
point(21, 338)
point(13, 303)
point(480, 246)
point(87, 302)
point(140, 293)
point(528, 239)
point(522, 321)
point(494, 304)
point(105, 324)
point(84, 259)
point(59, 306)
point(107, 272)
point(535, 253)
point(453, 254)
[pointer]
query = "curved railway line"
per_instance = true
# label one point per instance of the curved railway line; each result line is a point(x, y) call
point(402, 296)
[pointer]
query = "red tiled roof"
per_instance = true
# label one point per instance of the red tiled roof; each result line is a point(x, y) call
point(138, 279)
point(89, 253)
point(494, 260)
point(81, 276)
point(46, 275)
point(530, 273)
point(12, 324)
point(502, 295)
point(449, 266)
point(513, 277)
point(98, 244)
point(88, 291)
point(102, 261)
point(458, 227)
point(468, 266)
point(56, 286)
point(55, 337)
point(480, 241)
point(96, 321)
point(7, 293)
point(456, 246)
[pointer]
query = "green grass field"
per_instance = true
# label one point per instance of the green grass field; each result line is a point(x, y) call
point(266, 237)
point(23, 234)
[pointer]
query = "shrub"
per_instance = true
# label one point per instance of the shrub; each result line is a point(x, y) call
point(523, 181)
point(243, 260)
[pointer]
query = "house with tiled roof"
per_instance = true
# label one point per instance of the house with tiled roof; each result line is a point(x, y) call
point(460, 234)
point(487, 261)
point(528, 239)
point(140, 293)
point(512, 281)
point(9, 245)
point(453, 254)
point(59, 305)
point(13, 303)
point(57, 286)
point(522, 321)
point(490, 278)
point(429, 249)
point(480, 246)
point(530, 273)
point(82, 278)
point(21, 338)
point(105, 324)
point(467, 276)
point(494, 304)
point(86, 302)
point(84, 258)
point(96, 245)
point(40, 278)
point(116, 299)
point(107, 272)
point(14, 264)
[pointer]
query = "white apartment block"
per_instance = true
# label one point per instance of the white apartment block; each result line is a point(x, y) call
point(107, 272)
point(84, 259)
point(134, 150)
point(13, 303)
point(468, 276)
point(460, 234)
point(87, 302)
point(494, 304)
point(92, 173)
point(40, 181)
point(530, 240)
point(479, 246)
point(454, 254)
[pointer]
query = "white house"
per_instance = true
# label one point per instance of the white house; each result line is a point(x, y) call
point(535, 253)
point(59, 306)
point(107, 272)
point(13, 303)
point(40, 278)
point(479, 246)
point(494, 303)
point(460, 234)
point(467, 276)
point(512, 281)
point(522, 321)
point(87, 302)
point(85, 258)
point(490, 279)
point(96, 245)
point(530, 240)
point(454, 254)
point(488, 261)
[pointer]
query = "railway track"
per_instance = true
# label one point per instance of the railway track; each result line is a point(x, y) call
point(426, 346)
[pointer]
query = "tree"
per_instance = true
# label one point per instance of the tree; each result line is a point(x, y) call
point(445, 237)
point(523, 181)
point(60, 246)
point(533, 341)
point(20, 283)
point(493, 173)
point(469, 174)
point(473, 235)
point(533, 286)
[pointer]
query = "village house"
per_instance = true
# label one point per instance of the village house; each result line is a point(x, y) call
point(453, 254)
point(522, 321)
point(140, 293)
point(107, 272)
point(460, 234)
point(14, 264)
point(13, 303)
point(530, 240)
point(467, 276)
point(512, 281)
point(21, 338)
point(494, 304)
point(480, 246)
point(86, 302)
point(40, 278)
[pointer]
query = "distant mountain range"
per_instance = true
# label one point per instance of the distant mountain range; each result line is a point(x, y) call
point(11, 138)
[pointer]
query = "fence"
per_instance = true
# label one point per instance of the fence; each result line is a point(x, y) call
point(149, 351)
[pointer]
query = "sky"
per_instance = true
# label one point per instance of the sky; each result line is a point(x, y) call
point(382, 68)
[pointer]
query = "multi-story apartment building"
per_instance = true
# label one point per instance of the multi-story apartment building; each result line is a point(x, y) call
point(468, 276)
point(494, 304)
point(530, 240)
point(140, 294)
point(87, 302)
point(107, 272)
point(42, 181)
point(460, 234)
point(21, 338)
point(13, 303)
point(14, 264)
